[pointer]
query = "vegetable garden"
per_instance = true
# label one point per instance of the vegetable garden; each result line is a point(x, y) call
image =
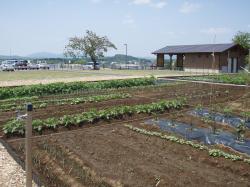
point(137, 132)
point(239, 79)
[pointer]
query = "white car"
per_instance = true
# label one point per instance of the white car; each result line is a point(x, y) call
point(33, 66)
point(90, 66)
point(43, 66)
point(7, 67)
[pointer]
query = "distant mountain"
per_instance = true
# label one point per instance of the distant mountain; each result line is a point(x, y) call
point(122, 58)
point(43, 55)
point(6, 57)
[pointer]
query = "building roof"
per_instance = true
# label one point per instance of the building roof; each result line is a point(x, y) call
point(204, 48)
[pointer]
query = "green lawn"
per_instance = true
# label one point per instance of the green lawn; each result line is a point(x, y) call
point(43, 74)
point(40, 75)
point(145, 72)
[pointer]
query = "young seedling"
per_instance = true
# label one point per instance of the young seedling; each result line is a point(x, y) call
point(246, 116)
point(214, 128)
point(198, 107)
point(209, 120)
point(227, 94)
point(155, 117)
point(241, 130)
point(227, 111)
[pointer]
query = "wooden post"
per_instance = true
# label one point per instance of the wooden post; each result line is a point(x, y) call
point(171, 62)
point(28, 146)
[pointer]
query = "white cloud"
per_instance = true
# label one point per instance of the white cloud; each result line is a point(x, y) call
point(216, 30)
point(95, 1)
point(141, 2)
point(151, 3)
point(160, 4)
point(128, 20)
point(188, 7)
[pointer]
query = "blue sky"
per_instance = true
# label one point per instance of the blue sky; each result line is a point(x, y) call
point(30, 26)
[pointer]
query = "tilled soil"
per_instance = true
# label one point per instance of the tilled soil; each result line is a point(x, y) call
point(113, 155)
point(125, 157)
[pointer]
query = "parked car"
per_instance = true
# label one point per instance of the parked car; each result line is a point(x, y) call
point(33, 66)
point(43, 66)
point(90, 66)
point(21, 64)
point(7, 67)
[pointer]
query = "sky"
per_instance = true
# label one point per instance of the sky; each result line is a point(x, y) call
point(31, 26)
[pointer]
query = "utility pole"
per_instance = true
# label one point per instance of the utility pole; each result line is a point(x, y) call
point(249, 57)
point(28, 146)
point(126, 45)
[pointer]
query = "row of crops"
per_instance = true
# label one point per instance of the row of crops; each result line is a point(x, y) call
point(37, 104)
point(239, 79)
point(172, 138)
point(57, 88)
point(16, 126)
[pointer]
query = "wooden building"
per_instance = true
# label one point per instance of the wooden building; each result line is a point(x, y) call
point(204, 58)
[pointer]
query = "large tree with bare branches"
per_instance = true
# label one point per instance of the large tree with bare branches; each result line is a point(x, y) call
point(90, 45)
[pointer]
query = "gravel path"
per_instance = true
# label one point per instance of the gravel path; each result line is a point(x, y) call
point(46, 81)
point(11, 173)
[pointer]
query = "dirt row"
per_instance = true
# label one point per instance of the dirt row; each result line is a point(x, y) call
point(120, 156)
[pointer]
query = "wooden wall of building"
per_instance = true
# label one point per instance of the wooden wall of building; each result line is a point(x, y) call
point(205, 61)
point(201, 61)
point(179, 61)
point(160, 60)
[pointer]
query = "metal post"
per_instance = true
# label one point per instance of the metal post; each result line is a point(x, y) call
point(28, 146)
point(126, 45)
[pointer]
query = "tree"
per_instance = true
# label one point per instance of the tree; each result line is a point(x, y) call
point(91, 45)
point(243, 39)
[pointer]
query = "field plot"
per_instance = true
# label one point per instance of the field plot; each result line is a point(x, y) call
point(139, 132)
point(238, 79)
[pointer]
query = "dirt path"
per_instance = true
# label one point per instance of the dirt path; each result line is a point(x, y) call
point(47, 81)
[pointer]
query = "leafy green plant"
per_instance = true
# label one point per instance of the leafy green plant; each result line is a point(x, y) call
point(43, 105)
point(219, 153)
point(92, 116)
point(227, 111)
point(14, 127)
point(198, 107)
point(72, 101)
point(240, 78)
point(56, 88)
point(246, 115)
point(209, 120)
